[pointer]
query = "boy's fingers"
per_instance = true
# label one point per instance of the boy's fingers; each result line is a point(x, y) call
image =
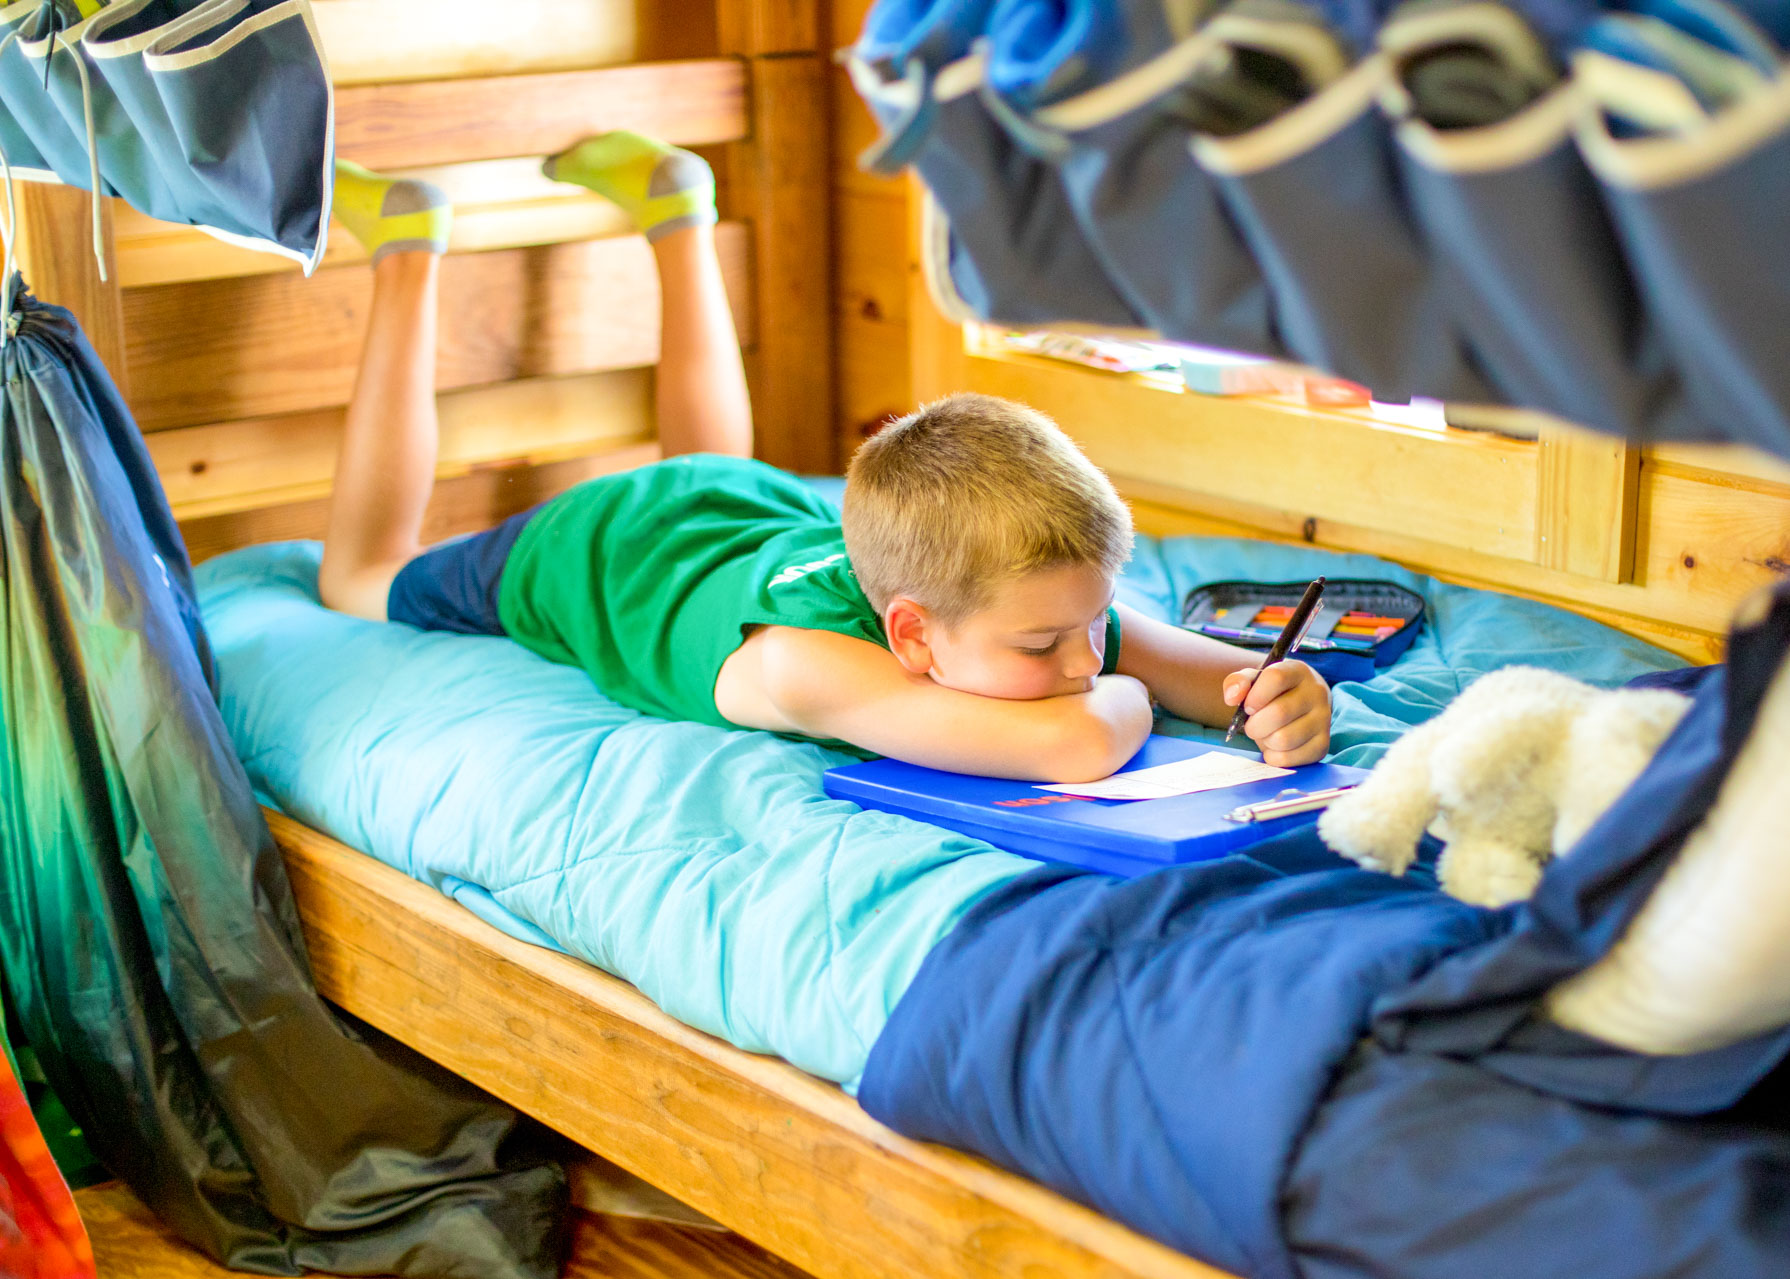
point(1267, 686)
point(1301, 742)
point(1294, 734)
point(1236, 686)
point(1271, 719)
point(1270, 683)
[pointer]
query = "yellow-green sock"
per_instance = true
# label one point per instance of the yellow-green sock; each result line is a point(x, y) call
point(391, 215)
point(662, 188)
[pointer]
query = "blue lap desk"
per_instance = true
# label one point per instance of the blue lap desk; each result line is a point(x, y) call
point(1123, 837)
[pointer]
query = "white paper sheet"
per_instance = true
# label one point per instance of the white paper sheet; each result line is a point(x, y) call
point(1215, 770)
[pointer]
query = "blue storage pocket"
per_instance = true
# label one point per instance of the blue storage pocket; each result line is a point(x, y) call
point(212, 113)
point(1316, 194)
point(999, 241)
point(1528, 260)
point(1704, 218)
point(1154, 216)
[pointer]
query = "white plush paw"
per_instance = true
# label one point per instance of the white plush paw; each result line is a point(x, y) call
point(1487, 873)
point(1365, 832)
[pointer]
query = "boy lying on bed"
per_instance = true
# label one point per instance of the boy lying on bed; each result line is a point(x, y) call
point(961, 615)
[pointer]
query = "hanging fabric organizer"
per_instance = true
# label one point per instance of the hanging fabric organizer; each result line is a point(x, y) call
point(1014, 248)
point(216, 114)
point(1551, 204)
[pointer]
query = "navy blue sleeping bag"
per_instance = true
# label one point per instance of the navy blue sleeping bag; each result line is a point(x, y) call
point(1286, 1067)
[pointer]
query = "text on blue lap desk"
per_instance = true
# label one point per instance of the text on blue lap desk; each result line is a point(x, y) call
point(1122, 837)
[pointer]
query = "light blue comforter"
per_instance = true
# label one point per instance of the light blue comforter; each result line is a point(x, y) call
point(705, 866)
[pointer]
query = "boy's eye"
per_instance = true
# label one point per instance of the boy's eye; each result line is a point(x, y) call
point(1046, 651)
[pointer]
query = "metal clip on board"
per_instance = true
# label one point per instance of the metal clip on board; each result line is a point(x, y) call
point(1286, 804)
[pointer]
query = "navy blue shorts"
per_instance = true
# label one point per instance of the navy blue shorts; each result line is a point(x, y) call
point(453, 587)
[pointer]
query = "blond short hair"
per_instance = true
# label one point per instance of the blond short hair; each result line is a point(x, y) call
point(969, 492)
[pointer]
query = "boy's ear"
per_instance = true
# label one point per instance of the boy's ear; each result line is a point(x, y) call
point(907, 626)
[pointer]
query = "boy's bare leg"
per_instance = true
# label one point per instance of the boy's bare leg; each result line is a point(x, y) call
point(386, 467)
point(669, 193)
point(700, 392)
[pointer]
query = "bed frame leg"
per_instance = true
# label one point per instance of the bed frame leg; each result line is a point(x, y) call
point(779, 182)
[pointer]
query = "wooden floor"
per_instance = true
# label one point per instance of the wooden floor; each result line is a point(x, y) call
point(129, 1243)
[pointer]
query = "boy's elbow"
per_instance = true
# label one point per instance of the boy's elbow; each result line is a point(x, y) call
point(1087, 747)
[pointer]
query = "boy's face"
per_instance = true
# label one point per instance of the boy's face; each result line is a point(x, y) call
point(1042, 635)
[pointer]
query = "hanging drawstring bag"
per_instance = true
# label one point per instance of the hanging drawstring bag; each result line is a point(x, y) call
point(999, 241)
point(217, 114)
point(1532, 271)
point(1096, 86)
point(149, 941)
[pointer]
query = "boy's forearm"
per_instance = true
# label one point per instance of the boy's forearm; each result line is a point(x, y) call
point(1184, 671)
point(1060, 739)
point(834, 686)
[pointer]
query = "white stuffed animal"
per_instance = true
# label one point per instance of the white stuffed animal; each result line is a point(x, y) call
point(1511, 774)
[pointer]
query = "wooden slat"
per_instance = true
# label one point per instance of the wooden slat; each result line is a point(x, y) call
point(1165, 510)
point(1718, 462)
point(870, 309)
point(777, 1155)
point(874, 386)
point(871, 276)
point(1462, 488)
point(387, 126)
point(759, 27)
point(151, 253)
point(779, 182)
point(1586, 486)
point(238, 466)
point(1706, 545)
point(388, 40)
point(464, 504)
point(628, 1248)
point(130, 1243)
point(1704, 542)
point(218, 350)
point(55, 257)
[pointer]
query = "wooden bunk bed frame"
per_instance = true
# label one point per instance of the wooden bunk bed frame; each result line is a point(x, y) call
point(238, 369)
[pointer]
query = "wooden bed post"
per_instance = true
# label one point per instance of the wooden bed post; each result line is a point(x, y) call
point(55, 256)
point(777, 180)
point(1587, 486)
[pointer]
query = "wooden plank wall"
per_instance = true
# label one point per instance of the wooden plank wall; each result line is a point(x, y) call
point(1661, 542)
point(870, 295)
point(238, 368)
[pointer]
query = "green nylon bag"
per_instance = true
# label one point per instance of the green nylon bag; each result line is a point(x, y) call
point(149, 944)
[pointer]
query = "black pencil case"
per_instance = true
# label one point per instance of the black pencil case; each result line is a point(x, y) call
point(1218, 607)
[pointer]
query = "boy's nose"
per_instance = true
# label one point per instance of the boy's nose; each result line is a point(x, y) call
point(1083, 663)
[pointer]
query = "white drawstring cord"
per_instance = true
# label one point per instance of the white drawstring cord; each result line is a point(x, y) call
point(93, 197)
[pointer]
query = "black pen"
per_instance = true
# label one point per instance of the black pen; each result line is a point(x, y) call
point(1284, 643)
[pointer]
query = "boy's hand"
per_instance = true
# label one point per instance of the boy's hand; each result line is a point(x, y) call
point(1289, 711)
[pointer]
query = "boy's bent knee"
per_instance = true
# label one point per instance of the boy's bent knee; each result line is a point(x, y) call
point(360, 590)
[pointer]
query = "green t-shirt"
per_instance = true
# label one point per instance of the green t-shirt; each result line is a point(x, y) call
point(649, 579)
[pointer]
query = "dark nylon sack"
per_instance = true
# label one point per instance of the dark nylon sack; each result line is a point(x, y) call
point(148, 939)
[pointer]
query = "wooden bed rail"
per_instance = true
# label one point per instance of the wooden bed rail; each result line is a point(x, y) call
point(783, 1158)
